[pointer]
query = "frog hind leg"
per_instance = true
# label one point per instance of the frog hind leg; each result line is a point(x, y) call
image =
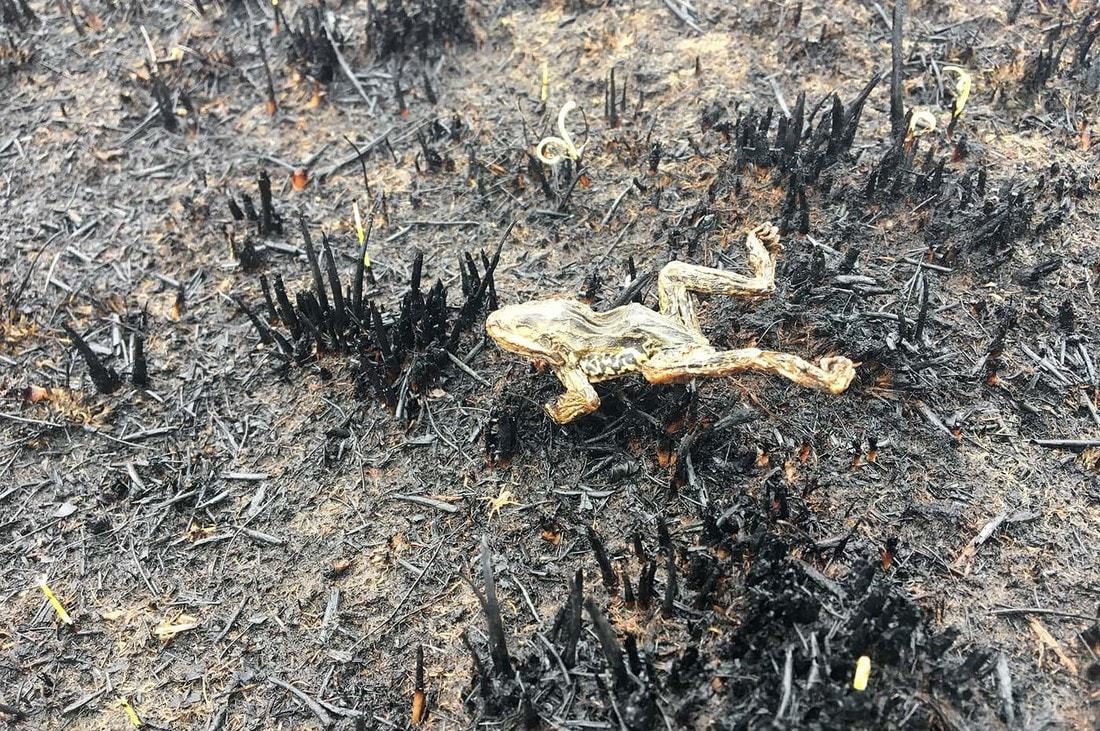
point(832, 374)
point(580, 397)
point(678, 279)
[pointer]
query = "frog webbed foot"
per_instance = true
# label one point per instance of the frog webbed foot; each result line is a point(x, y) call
point(571, 405)
point(839, 372)
point(580, 398)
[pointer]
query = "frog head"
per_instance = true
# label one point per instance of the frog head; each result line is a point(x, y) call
point(532, 329)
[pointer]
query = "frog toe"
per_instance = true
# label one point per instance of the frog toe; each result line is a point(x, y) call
point(570, 406)
point(839, 373)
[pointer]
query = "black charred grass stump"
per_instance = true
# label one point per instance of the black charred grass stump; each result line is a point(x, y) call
point(898, 122)
point(139, 368)
point(498, 687)
point(269, 82)
point(396, 356)
point(609, 643)
point(610, 579)
point(668, 607)
point(310, 49)
point(164, 97)
point(270, 222)
point(868, 612)
point(502, 438)
point(244, 250)
point(423, 27)
point(419, 712)
point(267, 220)
point(104, 378)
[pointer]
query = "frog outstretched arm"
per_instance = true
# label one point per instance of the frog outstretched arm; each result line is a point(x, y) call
point(585, 347)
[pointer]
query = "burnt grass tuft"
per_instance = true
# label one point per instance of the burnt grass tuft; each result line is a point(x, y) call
point(417, 27)
point(790, 618)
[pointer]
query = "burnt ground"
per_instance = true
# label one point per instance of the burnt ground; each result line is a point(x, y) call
point(266, 534)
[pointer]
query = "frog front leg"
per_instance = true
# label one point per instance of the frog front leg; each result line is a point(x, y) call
point(580, 397)
point(832, 374)
point(678, 279)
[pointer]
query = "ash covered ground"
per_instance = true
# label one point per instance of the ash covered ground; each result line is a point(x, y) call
point(274, 487)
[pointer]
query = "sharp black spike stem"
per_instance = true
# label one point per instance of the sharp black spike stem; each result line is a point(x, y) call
point(573, 619)
point(498, 643)
point(610, 580)
point(472, 303)
point(314, 265)
point(103, 376)
point(668, 607)
point(897, 107)
point(139, 375)
point(610, 644)
point(286, 310)
point(334, 283)
point(272, 314)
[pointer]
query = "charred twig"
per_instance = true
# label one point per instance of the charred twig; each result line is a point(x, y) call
point(1004, 689)
point(572, 619)
point(681, 13)
point(103, 376)
point(610, 644)
point(314, 707)
point(272, 104)
point(668, 606)
point(344, 64)
point(788, 676)
point(1070, 444)
point(261, 327)
point(610, 580)
point(359, 155)
point(231, 621)
point(498, 642)
point(15, 714)
point(897, 106)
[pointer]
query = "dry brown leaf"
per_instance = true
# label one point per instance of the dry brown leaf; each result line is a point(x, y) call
point(34, 394)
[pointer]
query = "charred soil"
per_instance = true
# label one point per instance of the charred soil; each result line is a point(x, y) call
point(260, 466)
